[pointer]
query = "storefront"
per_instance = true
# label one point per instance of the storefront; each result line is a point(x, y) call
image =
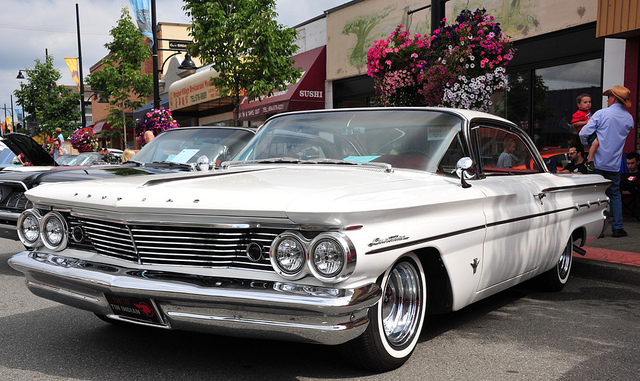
point(195, 101)
point(308, 93)
point(559, 56)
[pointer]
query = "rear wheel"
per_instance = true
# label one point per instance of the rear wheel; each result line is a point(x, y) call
point(397, 319)
point(557, 277)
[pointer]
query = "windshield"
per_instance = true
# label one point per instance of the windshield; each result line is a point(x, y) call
point(6, 155)
point(188, 145)
point(413, 139)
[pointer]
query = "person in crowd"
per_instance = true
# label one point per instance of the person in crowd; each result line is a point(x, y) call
point(127, 154)
point(148, 136)
point(57, 150)
point(577, 163)
point(579, 119)
point(612, 124)
point(507, 158)
point(60, 136)
point(630, 182)
point(24, 160)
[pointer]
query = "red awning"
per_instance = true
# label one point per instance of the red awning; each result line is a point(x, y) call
point(97, 128)
point(306, 94)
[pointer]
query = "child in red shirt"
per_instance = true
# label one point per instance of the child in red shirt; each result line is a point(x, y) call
point(579, 119)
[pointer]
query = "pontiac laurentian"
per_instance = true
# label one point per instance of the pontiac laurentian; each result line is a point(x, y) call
point(341, 227)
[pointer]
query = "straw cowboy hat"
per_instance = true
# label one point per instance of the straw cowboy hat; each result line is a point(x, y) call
point(620, 92)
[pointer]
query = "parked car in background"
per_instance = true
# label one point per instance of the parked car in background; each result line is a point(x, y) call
point(176, 150)
point(23, 144)
point(7, 157)
point(340, 227)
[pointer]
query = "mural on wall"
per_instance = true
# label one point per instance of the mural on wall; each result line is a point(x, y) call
point(361, 28)
point(515, 16)
point(354, 29)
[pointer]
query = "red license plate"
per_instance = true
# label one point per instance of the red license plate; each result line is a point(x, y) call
point(134, 308)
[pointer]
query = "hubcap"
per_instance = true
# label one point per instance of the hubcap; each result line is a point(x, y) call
point(564, 264)
point(401, 304)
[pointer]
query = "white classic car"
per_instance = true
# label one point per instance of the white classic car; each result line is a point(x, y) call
point(338, 226)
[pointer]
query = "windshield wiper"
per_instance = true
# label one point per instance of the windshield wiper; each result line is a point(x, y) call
point(292, 160)
point(386, 167)
point(173, 164)
point(137, 163)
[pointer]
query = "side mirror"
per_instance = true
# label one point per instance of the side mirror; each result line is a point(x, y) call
point(462, 166)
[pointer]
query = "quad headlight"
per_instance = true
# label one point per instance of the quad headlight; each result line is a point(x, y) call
point(54, 231)
point(28, 227)
point(34, 230)
point(330, 257)
point(289, 255)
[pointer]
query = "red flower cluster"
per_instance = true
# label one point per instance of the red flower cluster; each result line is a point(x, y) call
point(395, 65)
point(84, 140)
point(156, 120)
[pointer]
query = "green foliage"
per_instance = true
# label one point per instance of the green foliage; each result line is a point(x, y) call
point(46, 104)
point(248, 48)
point(120, 79)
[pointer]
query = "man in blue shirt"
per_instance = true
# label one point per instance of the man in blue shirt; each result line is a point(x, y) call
point(611, 125)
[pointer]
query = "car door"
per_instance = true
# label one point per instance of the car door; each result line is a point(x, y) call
point(518, 222)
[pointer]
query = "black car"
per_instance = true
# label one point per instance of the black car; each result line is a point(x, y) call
point(182, 149)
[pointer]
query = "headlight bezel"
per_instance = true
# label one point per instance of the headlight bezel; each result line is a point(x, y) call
point(347, 255)
point(64, 231)
point(28, 214)
point(299, 272)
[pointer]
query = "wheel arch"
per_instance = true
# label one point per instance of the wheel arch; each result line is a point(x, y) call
point(439, 291)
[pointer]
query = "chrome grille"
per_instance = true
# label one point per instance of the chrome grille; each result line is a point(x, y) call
point(17, 201)
point(172, 245)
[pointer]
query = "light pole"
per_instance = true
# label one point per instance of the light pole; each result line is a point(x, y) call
point(80, 79)
point(187, 63)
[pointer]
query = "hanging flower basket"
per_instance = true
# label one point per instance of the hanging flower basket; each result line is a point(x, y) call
point(461, 65)
point(84, 140)
point(156, 120)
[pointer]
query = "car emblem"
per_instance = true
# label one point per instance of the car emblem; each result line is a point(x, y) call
point(393, 238)
point(475, 264)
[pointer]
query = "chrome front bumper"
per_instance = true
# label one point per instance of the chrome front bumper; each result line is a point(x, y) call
point(8, 221)
point(234, 307)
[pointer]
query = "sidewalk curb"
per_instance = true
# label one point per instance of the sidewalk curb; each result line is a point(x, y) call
point(589, 268)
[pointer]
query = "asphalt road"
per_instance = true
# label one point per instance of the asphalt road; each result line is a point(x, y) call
point(589, 331)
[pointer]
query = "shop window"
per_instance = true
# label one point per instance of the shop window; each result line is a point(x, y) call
point(554, 91)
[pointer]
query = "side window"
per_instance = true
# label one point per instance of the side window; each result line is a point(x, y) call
point(503, 152)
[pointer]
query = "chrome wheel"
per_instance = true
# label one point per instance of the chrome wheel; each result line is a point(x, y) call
point(558, 276)
point(565, 261)
point(396, 321)
point(401, 304)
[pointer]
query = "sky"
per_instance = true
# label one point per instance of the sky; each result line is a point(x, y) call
point(32, 28)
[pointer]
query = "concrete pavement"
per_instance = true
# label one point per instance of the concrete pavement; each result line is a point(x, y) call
point(612, 259)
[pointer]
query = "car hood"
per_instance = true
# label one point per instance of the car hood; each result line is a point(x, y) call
point(278, 192)
point(21, 143)
point(33, 176)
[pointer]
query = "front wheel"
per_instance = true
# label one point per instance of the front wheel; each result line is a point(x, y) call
point(557, 277)
point(396, 321)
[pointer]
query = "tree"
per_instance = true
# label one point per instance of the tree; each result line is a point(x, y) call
point(248, 48)
point(46, 104)
point(120, 78)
